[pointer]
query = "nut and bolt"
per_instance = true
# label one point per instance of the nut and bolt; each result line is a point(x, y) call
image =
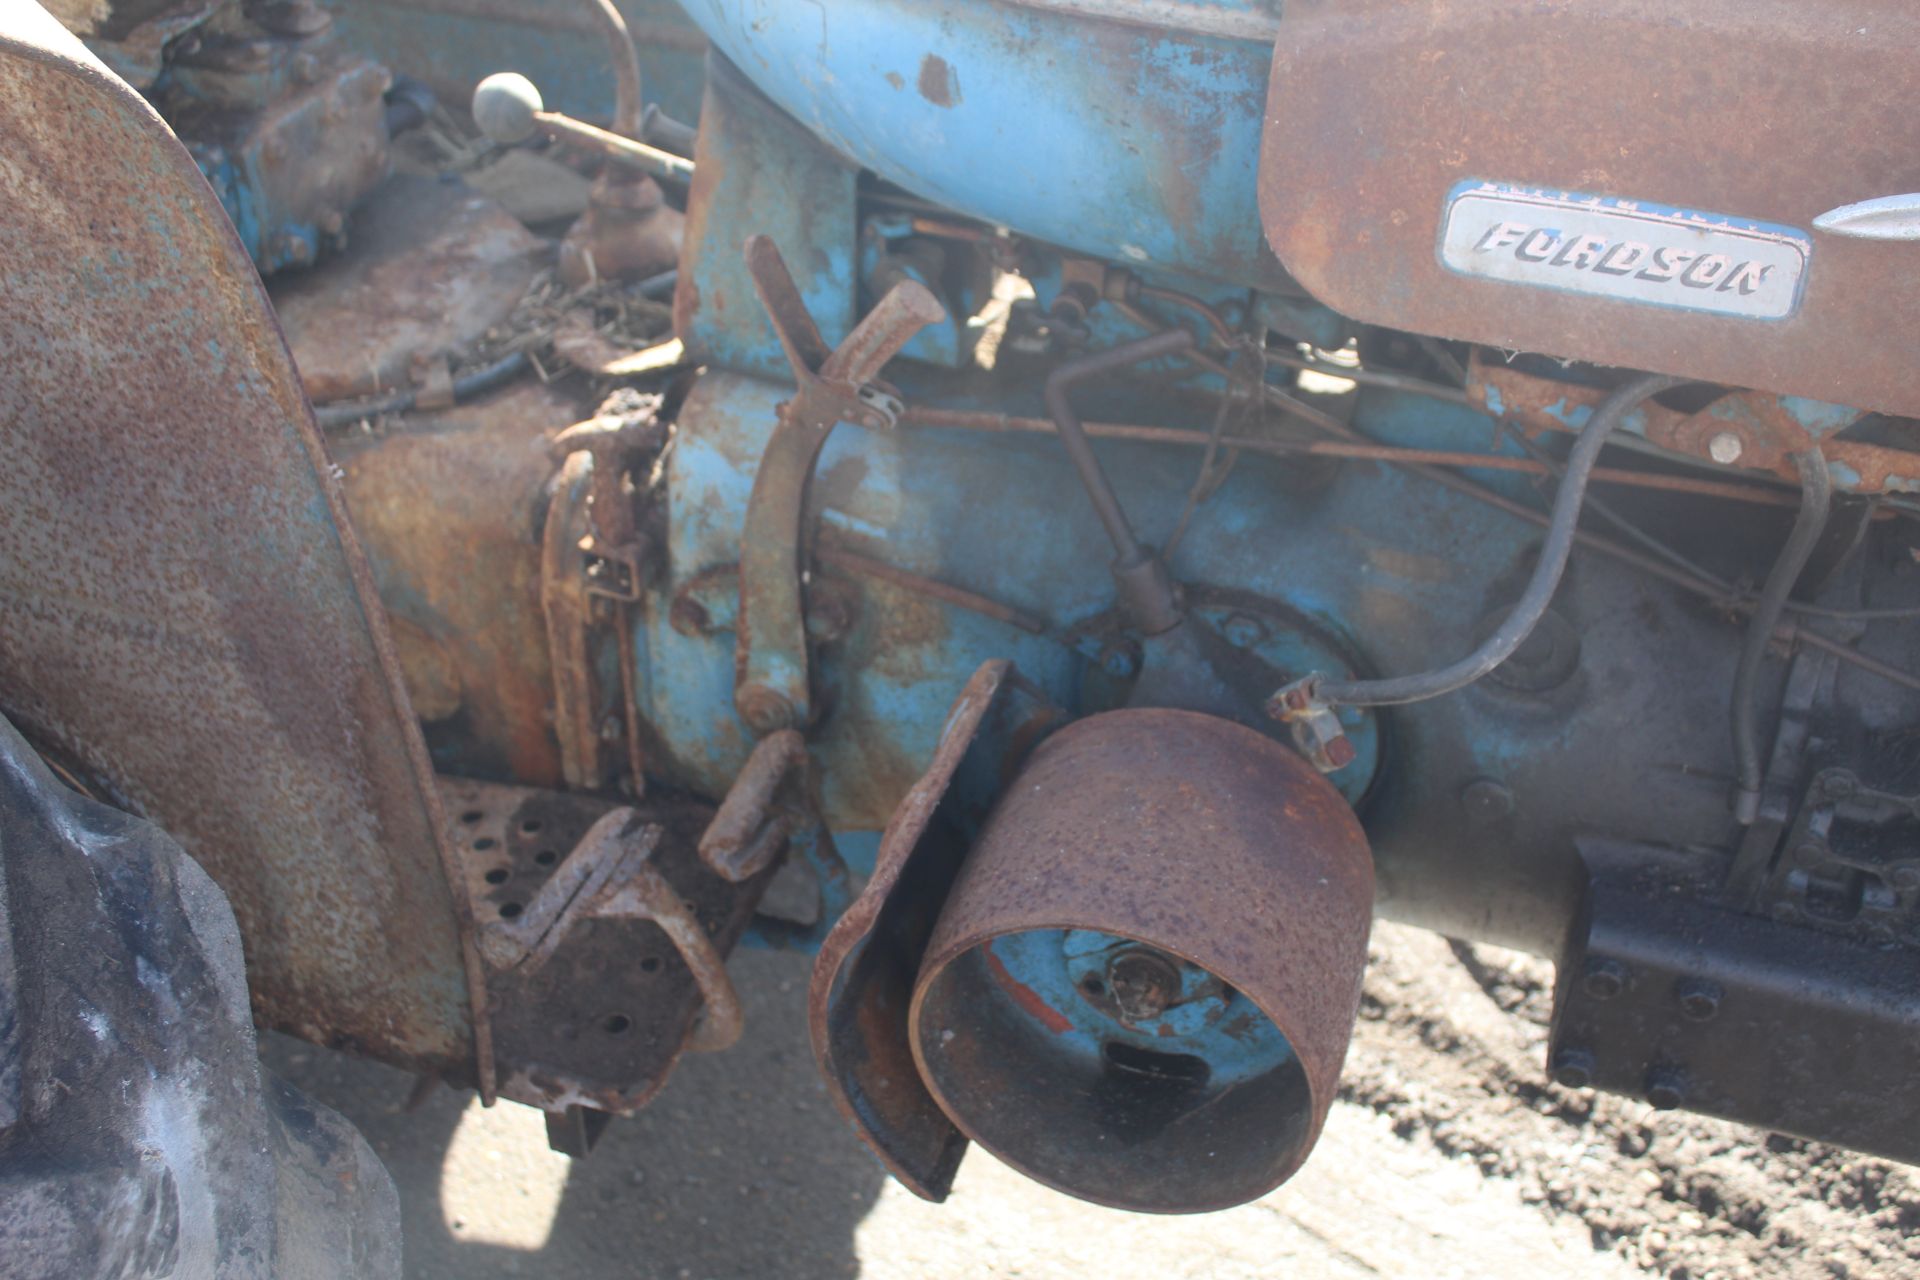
point(1143, 983)
point(1666, 1087)
point(1573, 1068)
point(1699, 998)
point(1604, 979)
point(1839, 786)
point(765, 710)
point(1905, 878)
point(1726, 447)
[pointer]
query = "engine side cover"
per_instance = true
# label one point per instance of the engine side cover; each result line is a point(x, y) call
point(1628, 182)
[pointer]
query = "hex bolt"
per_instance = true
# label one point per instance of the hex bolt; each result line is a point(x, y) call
point(1905, 878)
point(1666, 1087)
point(1243, 631)
point(1573, 1068)
point(765, 710)
point(1699, 998)
point(1726, 447)
point(1839, 786)
point(1604, 979)
point(1486, 801)
point(1143, 983)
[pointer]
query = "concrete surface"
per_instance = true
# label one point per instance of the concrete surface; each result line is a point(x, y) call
point(743, 1169)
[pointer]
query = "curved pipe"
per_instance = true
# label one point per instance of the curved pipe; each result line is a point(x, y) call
point(1527, 611)
point(1816, 488)
point(1073, 435)
point(628, 116)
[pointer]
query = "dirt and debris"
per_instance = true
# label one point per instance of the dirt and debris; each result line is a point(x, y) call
point(1448, 1155)
point(1450, 1047)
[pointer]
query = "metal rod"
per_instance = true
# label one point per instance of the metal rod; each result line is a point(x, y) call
point(854, 562)
point(1816, 490)
point(627, 97)
point(972, 421)
point(1430, 464)
point(1375, 378)
point(1533, 602)
point(1154, 293)
point(1073, 436)
point(625, 152)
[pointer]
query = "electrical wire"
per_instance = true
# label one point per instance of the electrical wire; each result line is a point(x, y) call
point(342, 413)
point(1527, 611)
point(1816, 489)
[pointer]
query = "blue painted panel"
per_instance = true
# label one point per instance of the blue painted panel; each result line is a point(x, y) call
point(1130, 142)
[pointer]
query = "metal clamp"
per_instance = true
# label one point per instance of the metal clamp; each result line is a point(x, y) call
point(771, 690)
point(1316, 728)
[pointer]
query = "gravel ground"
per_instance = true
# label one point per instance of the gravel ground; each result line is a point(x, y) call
point(1447, 1156)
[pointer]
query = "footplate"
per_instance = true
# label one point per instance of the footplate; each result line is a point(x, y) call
point(603, 936)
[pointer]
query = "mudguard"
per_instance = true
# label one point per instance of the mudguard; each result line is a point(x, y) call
point(185, 617)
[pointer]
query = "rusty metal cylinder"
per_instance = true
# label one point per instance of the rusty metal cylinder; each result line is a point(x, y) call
point(1142, 985)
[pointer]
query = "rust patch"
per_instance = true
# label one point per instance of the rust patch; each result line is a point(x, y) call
point(863, 979)
point(431, 267)
point(939, 83)
point(187, 611)
point(448, 509)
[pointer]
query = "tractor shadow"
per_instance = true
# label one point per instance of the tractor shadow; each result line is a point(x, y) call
point(741, 1168)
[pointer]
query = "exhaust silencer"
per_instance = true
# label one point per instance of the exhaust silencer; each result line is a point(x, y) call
point(1143, 980)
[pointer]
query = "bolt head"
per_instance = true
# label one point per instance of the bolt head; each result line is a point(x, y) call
point(1666, 1087)
point(765, 710)
point(1242, 631)
point(1573, 1068)
point(1699, 999)
point(1340, 753)
point(1143, 983)
point(1604, 979)
point(1726, 447)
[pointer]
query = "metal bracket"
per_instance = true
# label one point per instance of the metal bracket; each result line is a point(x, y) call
point(771, 688)
point(610, 876)
point(769, 809)
point(593, 567)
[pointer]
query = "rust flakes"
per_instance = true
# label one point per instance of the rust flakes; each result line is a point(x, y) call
point(939, 83)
